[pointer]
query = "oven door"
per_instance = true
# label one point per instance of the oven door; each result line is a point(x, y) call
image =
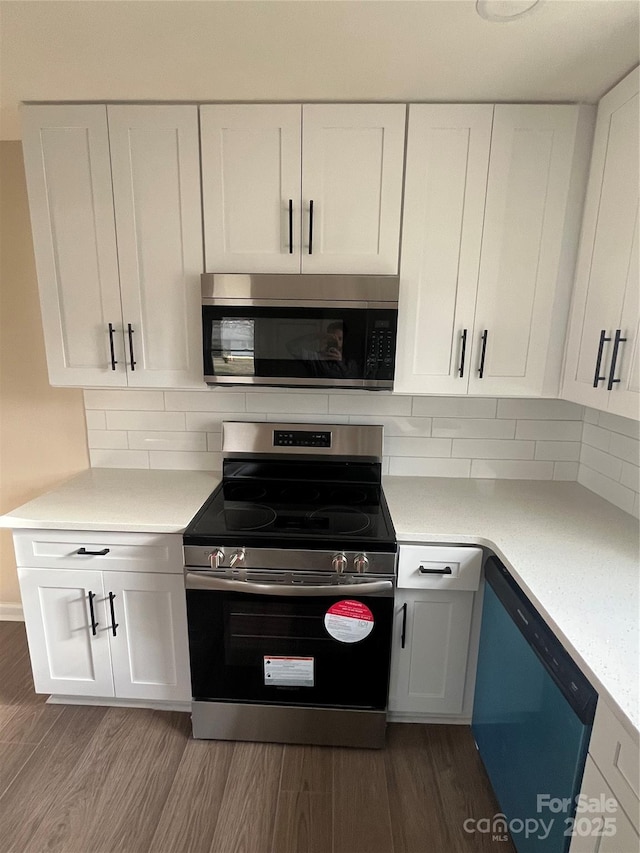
point(328, 346)
point(324, 646)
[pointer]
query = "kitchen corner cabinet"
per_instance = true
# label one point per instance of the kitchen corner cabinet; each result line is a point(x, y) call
point(432, 627)
point(114, 196)
point(313, 188)
point(602, 367)
point(609, 819)
point(491, 213)
point(95, 627)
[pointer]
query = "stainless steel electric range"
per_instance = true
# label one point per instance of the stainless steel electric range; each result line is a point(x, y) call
point(290, 574)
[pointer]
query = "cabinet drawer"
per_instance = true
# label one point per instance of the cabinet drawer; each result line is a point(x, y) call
point(616, 753)
point(135, 552)
point(439, 567)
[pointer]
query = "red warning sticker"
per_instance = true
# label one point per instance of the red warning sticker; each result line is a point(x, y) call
point(348, 621)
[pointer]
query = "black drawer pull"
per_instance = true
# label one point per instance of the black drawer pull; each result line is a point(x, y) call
point(596, 377)
point(291, 226)
point(83, 551)
point(483, 354)
point(111, 349)
point(464, 351)
point(94, 624)
point(445, 571)
point(614, 359)
point(311, 227)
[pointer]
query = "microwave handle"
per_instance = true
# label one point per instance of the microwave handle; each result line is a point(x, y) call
point(201, 580)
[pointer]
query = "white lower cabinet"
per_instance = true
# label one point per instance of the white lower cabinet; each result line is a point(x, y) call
point(107, 634)
point(604, 827)
point(434, 609)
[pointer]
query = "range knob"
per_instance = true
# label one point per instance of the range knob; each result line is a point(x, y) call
point(361, 563)
point(339, 563)
point(237, 558)
point(216, 557)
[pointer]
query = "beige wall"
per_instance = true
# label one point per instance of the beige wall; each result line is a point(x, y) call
point(42, 429)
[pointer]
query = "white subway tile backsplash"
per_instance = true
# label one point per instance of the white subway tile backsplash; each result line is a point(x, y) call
point(595, 436)
point(625, 448)
point(455, 407)
point(106, 439)
point(566, 451)
point(549, 430)
point(119, 458)
point(608, 489)
point(410, 466)
point(625, 426)
point(209, 400)
point(377, 403)
point(156, 440)
point(600, 461)
point(126, 399)
point(539, 410)
point(212, 421)
point(507, 470)
point(185, 460)
point(630, 476)
point(260, 401)
point(491, 448)
point(565, 471)
point(146, 420)
point(424, 436)
point(416, 446)
point(472, 428)
point(95, 419)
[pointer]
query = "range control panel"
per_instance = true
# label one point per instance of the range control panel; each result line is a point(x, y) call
point(301, 438)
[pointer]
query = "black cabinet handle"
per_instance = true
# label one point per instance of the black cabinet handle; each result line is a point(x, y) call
point(463, 353)
point(596, 376)
point(291, 226)
point(445, 571)
point(85, 553)
point(111, 349)
point(311, 227)
point(614, 358)
point(94, 624)
point(484, 352)
point(130, 333)
point(403, 636)
point(114, 624)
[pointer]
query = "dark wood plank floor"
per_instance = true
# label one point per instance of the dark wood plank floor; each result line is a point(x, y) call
point(114, 780)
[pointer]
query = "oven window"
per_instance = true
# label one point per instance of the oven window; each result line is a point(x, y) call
point(233, 635)
point(312, 343)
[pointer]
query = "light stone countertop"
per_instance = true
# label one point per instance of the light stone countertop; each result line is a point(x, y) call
point(574, 554)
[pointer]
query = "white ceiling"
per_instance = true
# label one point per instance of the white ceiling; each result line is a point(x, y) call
point(301, 50)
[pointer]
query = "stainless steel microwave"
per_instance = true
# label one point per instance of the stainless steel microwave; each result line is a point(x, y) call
point(299, 330)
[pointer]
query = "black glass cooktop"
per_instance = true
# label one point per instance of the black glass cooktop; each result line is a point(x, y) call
point(333, 505)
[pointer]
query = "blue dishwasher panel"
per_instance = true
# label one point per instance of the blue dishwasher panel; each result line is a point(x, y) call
point(531, 740)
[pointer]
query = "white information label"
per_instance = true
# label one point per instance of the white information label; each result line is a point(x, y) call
point(282, 671)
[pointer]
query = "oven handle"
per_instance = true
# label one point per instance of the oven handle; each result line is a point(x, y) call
point(201, 581)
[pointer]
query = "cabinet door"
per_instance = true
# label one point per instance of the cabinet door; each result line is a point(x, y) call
point(607, 830)
point(624, 397)
point(251, 187)
point(608, 256)
point(445, 183)
point(352, 159)
point(66, 154)
point(530, 171)
point(156, 188)
point(428, 673)
point(149, 648)
point(66, 656)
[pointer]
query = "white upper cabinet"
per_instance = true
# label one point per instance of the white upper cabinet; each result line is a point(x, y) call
point(492, 199)
point(313, 188)
point(156, 189)
point(118, 308)
point(66, 153)
point(445, 185)
point(251, 187)
point(601, 368)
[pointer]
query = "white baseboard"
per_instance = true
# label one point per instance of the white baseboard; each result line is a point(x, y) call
point(109, 702)
point(10, 612)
